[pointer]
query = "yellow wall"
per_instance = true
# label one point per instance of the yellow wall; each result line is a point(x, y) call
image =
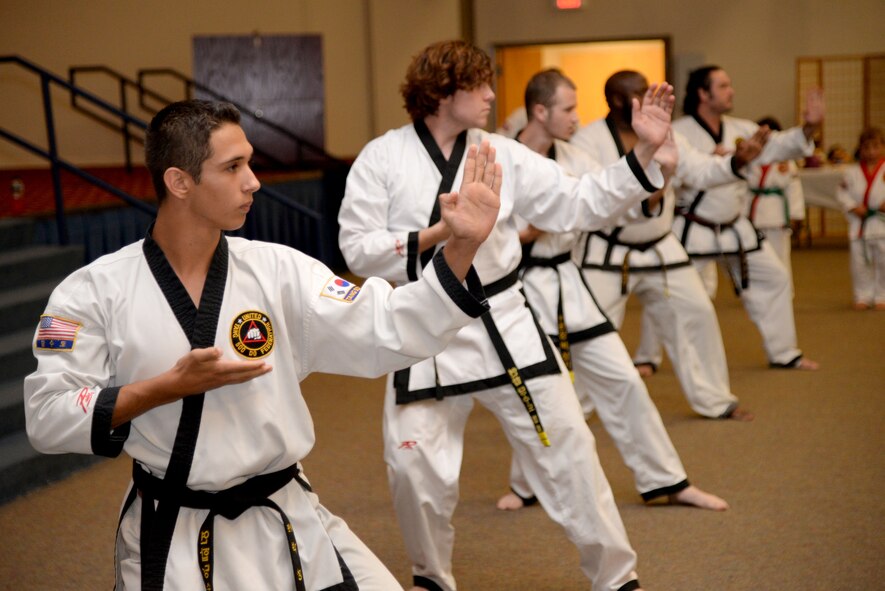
point(588, 65)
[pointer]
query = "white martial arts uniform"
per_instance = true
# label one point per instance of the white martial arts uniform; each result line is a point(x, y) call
point(126, 317)
point(775, 200)
point(604, 376)
point(645, 258)
point(711, 226)
point(391, 191)
point(865, 186)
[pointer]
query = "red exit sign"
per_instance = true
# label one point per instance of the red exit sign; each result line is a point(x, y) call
point(568, 4)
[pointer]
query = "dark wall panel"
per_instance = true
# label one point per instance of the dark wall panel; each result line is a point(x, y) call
point(278, 78)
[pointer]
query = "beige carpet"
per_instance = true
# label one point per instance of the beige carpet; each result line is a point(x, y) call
point(804, 480)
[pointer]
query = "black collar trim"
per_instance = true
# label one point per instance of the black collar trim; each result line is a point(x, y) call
point(616, 135)
point(717, 137)
point(436, 154)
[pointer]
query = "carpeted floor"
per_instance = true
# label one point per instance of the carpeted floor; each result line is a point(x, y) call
point(804, 479)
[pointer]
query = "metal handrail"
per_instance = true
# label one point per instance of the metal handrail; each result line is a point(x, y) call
point(125, 83)
point(64, 164)
point(190, 85)
point(58, 164)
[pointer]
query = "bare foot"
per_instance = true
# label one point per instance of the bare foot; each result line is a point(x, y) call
point(807, 365)
point(741, 414)
point(510, 502)
point(860, 306)
point(646, 369)
point(697, 498)
point(417, 589)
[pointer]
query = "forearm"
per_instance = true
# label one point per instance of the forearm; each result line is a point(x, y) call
point(137, 398)
point(459, 254)
point(430, 237)
point(644, 152)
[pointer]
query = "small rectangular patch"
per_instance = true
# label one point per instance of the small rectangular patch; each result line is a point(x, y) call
point(340, 289)
point(56, 334)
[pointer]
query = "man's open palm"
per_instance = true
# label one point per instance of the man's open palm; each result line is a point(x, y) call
point(471, 212)
point(651, 118)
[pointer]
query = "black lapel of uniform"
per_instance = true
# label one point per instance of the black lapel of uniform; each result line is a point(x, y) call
point(199, 325)
point(447, 168)
point(717, 137)
point(616, 136)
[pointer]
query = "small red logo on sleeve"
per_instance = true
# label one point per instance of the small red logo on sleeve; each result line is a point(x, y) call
point(84, 398)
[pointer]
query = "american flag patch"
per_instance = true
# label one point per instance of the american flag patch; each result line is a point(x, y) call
point(57, 334)
point(340, 289)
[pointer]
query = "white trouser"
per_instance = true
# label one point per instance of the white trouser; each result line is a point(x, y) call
point(606, 380)
point(710, 277)
point(768, 300)
point(868, 270)
point(650, 349)
point(781, 241)
point(685, 320)
point(424, 442)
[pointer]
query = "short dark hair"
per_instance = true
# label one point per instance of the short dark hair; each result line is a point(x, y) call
point(179, 136)
point(772, 123)
point(615, 82)
point(439, 71)
point(541, 89)
point(697, 79)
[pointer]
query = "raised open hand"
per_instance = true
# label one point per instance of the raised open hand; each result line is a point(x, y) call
point(667, 156)
point(651, 118)
point(471, 212)
point(815, 108)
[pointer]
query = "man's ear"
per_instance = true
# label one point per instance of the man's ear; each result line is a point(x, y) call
point(704, 95)
point(539, 112)
point(178, 182)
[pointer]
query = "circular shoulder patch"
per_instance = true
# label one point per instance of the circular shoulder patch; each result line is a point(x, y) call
point(251, 334)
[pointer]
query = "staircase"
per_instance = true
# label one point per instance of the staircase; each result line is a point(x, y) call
point(28, 274)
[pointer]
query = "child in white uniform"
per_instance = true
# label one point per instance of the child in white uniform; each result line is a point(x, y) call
point(862, 195)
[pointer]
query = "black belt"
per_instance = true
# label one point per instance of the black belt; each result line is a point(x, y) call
point(516, 380)
point(613, 241)
point(640, 246)
point(565, 349)
point(744, 282)
point(229, 503)
point(502, 284)
point(546, 262)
